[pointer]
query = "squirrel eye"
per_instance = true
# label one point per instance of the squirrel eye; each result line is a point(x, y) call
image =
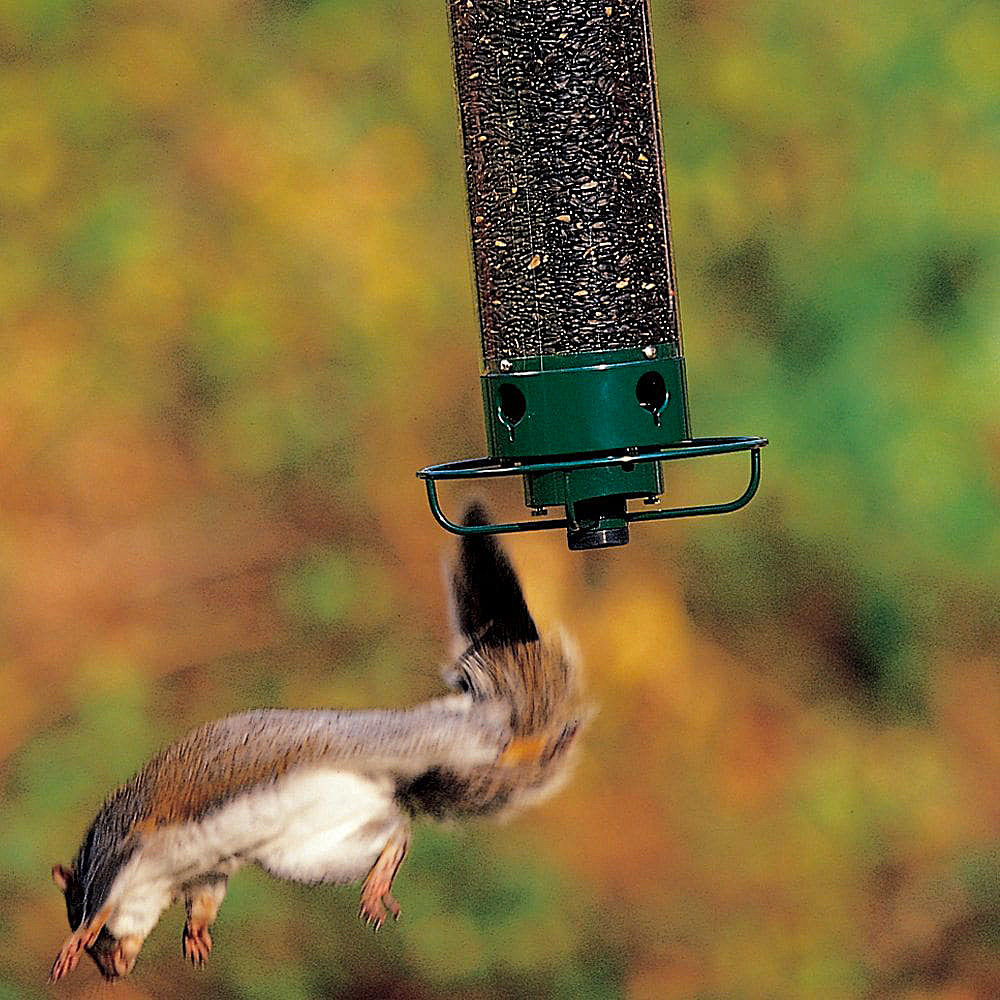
point(462, 683)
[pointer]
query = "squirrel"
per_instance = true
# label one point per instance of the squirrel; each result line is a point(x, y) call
point(320, 796)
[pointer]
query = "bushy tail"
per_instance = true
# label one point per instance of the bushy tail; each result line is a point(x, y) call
point(506, 658)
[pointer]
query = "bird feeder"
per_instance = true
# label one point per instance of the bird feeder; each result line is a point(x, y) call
point(583, 380)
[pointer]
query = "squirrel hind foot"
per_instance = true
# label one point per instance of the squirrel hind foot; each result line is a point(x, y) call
point(377, 901)
point(375, 908)
point(197, 943)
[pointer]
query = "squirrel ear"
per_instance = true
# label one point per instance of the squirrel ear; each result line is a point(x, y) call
point(62, 876)
point(489, 606)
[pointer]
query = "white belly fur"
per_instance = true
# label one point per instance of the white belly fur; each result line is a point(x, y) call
point(315, 825)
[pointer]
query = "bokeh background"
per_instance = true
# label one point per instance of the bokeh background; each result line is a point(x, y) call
point(236, 315)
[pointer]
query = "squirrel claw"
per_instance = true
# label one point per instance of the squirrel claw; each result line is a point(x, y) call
point(376, 899)
point(67, 959)
point(69, 954)
point(376, 907)
point(197, 943)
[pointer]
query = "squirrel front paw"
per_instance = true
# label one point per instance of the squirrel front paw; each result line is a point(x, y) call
point(197, 942)
point(67, 959)
point(82, 938)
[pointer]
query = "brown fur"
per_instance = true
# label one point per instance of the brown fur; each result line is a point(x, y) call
point(537, 680)
point(219, 760)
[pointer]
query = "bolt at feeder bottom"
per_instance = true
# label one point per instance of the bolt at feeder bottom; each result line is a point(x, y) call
point(595, 499)
point(600, 524)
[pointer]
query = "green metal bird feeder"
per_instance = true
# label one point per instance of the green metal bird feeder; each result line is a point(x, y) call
point(583, 381)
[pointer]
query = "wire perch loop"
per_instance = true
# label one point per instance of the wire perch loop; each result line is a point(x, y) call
point(577, 520)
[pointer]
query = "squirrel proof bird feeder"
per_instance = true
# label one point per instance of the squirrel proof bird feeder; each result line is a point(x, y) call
point(583, 382)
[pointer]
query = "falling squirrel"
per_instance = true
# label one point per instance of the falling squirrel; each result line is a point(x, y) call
point(321, 796)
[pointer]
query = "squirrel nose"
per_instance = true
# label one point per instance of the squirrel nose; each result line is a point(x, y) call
point(124, 956)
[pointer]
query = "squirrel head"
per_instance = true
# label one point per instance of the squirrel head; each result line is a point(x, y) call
point(106, 946)
point(505, 659)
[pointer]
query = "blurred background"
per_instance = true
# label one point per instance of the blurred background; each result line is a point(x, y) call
point(236, 315)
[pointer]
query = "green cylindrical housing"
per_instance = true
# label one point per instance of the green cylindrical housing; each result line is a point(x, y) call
point(585, 403)
point(581, 337)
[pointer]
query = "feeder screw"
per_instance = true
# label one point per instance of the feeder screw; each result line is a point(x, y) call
point(650, 352)
point(649, 501)
point(505, 365)
point(539, 511)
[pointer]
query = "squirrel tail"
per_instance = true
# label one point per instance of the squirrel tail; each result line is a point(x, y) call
point(506, 658)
